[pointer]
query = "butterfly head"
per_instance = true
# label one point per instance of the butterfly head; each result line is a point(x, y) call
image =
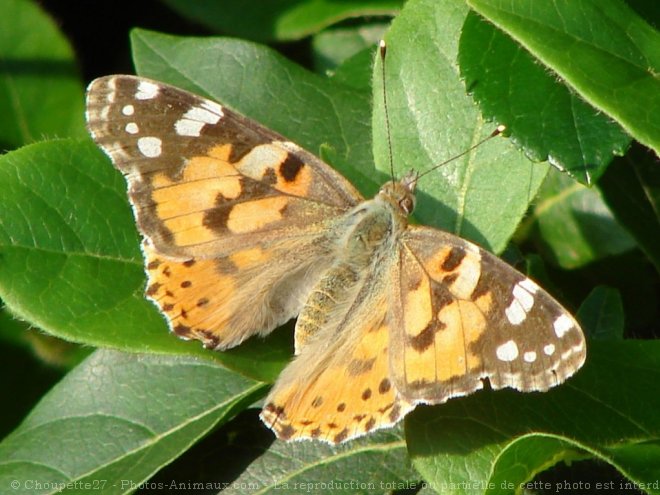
point(401, 194)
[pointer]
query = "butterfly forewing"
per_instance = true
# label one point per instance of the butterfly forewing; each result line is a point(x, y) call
point(217, 197)
point(200, 176)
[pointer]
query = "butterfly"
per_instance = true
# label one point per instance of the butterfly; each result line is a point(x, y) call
point(244, 230)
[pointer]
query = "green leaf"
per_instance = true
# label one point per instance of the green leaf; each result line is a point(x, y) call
point(524, 457)
point(574, 224)
point(41, 94)
point(117, 419)
point(601, 48)
point(492, 437)
point(320, 468)
point(601, 314)
point(631, 188)
point(308, 109)
point(481, 196)
point(333, 46)
point(70, 261)
point(280, 20)
point(545, 118)
point(640, 461)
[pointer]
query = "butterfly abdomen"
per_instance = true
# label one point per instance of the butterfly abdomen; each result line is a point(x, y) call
point(325, 300)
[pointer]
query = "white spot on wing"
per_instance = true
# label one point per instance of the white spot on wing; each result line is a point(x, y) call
point(204, 115)
point(150, 146)
point(515, 313)
point(128, 110)
point(529, 285)
point(213, 107)
point(186, 127)
point(468, 276)
point(562, 325)
point(529, 357)
point(132, 128)
point(197, 117)
point(507, 352)
point(146, 90)
point(522, 302)
point(524, 297)
point(549, 349)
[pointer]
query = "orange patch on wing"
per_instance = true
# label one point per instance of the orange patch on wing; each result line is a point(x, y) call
point(417, 308)
point(202, 179)
point(254, 215)
point(474, 325)
point(205, 167)
point(418, 316)
point(243, 259)
point(191, 197)
point(221, 152)
point(464, 323)
point(434, 263)
point(192, 295)
point(159, 180)
point(188, 230)
point(420, 366)
point(451, 343)
point(485, 302)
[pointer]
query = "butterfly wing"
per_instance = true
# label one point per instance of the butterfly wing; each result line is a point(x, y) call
point(465, 316)
point(339, 386)
point(218, 199)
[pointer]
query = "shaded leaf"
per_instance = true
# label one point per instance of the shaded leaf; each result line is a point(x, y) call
point(333, 46)
point(278, 19)
point(41, 95)
point(574, 224)
point(631, 188)
point(601, 314)
point(636, 280)
point(601, 48)
point(299, 467)
point(119, 418)
point(544, 117)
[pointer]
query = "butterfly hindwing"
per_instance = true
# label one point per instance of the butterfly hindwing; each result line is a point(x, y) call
point(339, 385)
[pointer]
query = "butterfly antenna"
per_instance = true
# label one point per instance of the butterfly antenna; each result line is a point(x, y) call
point(382, 48)
point(499, 130)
